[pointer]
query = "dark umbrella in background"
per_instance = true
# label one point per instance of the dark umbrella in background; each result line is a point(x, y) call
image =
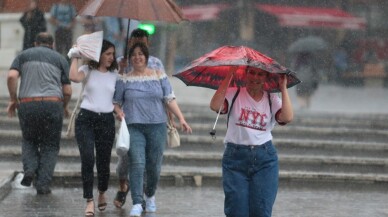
point(309, 44)
point(212, 68)
point(149, 10)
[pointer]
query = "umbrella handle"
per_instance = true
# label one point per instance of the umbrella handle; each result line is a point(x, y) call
point(213, 132)
point(126, 42)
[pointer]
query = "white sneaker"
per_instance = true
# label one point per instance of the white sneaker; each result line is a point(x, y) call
point(150, 204)
point(16, 182)
point(136, 210)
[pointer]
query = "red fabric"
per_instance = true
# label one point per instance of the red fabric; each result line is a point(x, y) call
point(211, 69)
point(314, 17)
point(203, 12)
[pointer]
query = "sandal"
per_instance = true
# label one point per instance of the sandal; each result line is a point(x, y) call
point(101, 205)
point(89, 213)
point(120, 198)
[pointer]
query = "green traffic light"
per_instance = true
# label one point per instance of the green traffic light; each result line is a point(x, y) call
point(150, 28)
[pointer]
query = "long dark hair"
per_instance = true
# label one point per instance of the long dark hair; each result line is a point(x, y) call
point(143, 48)
point(105, 46)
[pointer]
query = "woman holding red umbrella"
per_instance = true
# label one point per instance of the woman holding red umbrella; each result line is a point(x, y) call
point(250, 163)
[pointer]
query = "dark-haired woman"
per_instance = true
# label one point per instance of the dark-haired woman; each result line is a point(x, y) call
point(144, 93)
point(95, 124)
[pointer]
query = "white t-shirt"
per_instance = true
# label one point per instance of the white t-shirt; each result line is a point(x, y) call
point(250, 122)
point(99, 90)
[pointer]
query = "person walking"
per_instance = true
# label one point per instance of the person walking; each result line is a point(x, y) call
point(33, 22)
point(250, 169)
point(91, 24)
point(307, 72)
point(137, 35)
point(63, 19)
point(144, 94)
point(114, 31)
point(42, 101)
point(95, 124)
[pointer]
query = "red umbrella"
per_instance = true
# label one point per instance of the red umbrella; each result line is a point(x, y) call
point(211, 69)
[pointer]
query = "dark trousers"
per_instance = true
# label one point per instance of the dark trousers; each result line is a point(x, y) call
point(41, 125)
point(63, 40)
point(95, 130)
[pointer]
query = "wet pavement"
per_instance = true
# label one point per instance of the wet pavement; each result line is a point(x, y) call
point(204, 201)
point(208, 201)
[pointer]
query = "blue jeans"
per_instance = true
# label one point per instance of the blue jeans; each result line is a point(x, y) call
point(41, 125)
point(145, 153)
point(95, 130)
point(250, 179)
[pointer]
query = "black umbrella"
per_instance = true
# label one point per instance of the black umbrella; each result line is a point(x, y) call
point(308, 44)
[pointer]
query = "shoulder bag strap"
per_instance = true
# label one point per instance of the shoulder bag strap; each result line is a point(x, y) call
point(231, 105)
point(270, 104)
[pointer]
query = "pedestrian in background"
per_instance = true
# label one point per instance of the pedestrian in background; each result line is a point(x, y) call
point(250, 170)
point(33, 22)
point(40, 108)
point(91, 24)
point(63, 19)
point(113, 28)
point(95, 124)
point(143, 94)
point(137, 35)
point(305, 67)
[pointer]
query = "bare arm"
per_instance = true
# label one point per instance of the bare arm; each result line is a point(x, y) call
point(75, 75)
point(218, 98)
point(12, 83)
point(119, 112)
point(287, 114)
point(67, 91)
point(174, 108)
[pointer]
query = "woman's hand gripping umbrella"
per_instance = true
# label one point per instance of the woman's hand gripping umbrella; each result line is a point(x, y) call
point(233, 62)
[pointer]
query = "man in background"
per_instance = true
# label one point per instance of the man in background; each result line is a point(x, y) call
point(42, 101)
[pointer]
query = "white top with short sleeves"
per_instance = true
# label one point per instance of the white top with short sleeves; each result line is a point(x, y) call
point(99, 90)
point(250, 122)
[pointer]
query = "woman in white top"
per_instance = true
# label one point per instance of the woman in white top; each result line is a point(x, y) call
point(95, 124)
point(250, 162)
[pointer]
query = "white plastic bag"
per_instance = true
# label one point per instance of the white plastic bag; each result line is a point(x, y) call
point(89, 45)
point(122, 140)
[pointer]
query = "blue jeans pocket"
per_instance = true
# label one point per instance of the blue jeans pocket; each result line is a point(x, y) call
point(270, 148)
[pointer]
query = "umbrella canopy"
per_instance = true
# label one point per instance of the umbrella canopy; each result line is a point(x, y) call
point(150, 10)
point(211, 69)
point(308, 44)
point(17, 6)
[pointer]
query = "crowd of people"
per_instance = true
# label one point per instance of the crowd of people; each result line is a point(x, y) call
point(63, 20)
point(137, 89)
point(112, 88)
